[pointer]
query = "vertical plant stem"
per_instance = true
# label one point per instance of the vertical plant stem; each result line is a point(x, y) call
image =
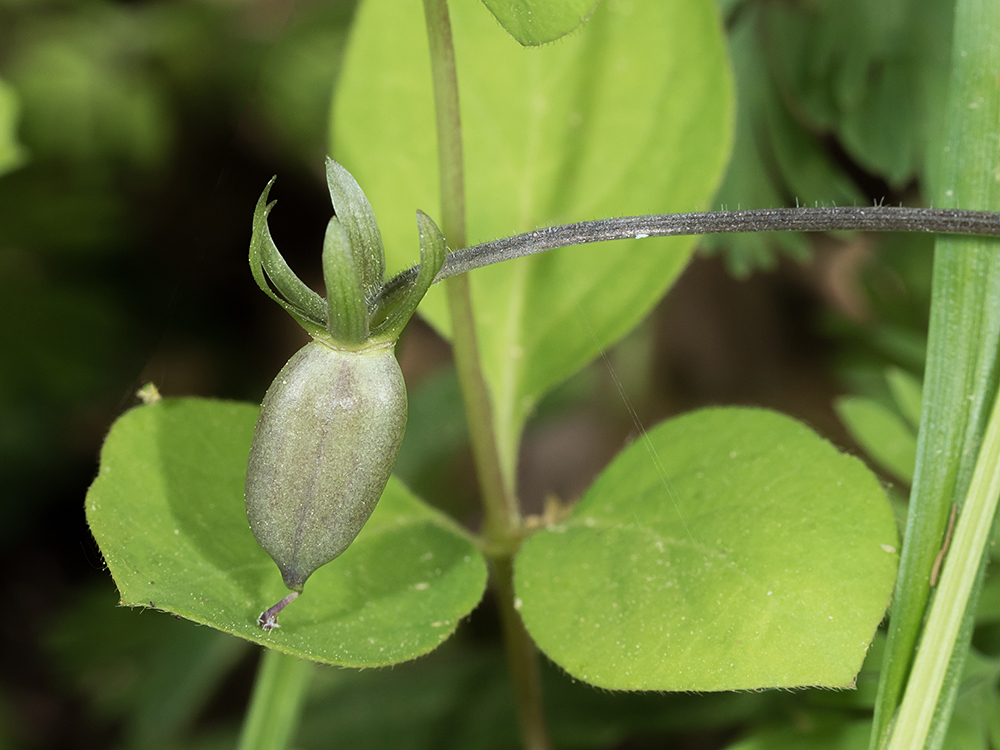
point(276, 705)
point(522, 659)
point(962, 369)
point(503, 516)
point(502, 512)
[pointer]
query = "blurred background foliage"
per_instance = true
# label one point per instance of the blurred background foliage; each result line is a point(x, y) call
point(135, 138)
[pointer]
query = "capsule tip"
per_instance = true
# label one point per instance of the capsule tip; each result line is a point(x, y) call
point(268, 619)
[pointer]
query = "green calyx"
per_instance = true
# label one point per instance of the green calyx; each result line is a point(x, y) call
point(357, 312)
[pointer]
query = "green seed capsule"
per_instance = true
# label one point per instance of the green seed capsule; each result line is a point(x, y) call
point(331, 423)
point(325, 443)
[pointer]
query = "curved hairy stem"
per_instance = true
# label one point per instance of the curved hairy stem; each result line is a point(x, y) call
point(832, 219)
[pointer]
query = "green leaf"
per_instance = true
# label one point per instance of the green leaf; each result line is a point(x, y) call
point(884, 435)
point(613, 120)
point(946, 634)
point(729, 549)
point(167, 512)
point(538, 21)
point(862, 697)
point(12, 154)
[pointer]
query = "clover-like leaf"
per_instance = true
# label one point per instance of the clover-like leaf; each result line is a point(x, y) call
point(167, 512)
point(728, 549)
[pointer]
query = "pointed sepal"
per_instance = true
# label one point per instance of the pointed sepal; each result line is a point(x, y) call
point(432, 255)
point(269, 268)
point(347, 317)
point(356, 215)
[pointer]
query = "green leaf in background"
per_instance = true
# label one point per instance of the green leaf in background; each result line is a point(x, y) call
point(534, 22)
point(167, 512)
point(884, 435)
point(988, 607)
point(89, 95)
point(814, 78)
point(459, 698)
point(975, 725)
point(907, 391)
point(153, 673)
point(12, 155)
point(613, 120)
point(815, 731)
point(874, 74)
point(293, 93)
point(776, 160)
point(729, 549)
point(433, 459)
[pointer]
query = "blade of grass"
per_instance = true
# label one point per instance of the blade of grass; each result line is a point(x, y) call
point(947, 613)
point(962, 359)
